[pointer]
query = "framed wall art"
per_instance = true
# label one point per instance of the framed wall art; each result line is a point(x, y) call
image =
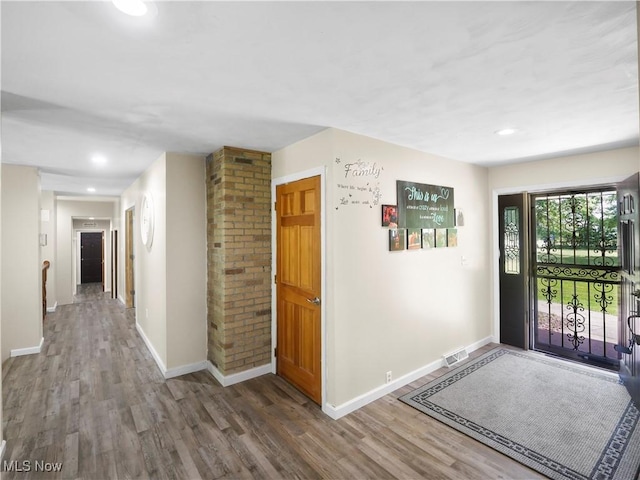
point(441, 237)
point(424, 206)
point(428, 238)
point(414, 239)
point(452, 237)
point(397, 239)
point(389, 216)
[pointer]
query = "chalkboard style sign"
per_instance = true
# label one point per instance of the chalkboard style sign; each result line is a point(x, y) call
point(424, 206)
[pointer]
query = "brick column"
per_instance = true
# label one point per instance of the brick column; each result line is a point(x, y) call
point(239, 259)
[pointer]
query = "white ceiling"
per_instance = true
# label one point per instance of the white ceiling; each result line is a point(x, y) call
point(80, 78)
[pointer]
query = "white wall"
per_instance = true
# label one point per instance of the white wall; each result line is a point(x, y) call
point(150, 267)
point(586, 169)
point(170, 278)
point(393, 311)
point(67, 210)
point(186, 260)
point(48, 251)
point(21, 267)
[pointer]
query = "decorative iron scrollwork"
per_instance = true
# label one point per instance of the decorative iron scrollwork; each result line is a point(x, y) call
point(511, 240)
point(576, 268)
point(549, 290)
point(570, 272)
point(575, 322)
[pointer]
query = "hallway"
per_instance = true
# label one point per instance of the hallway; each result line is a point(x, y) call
point(95, 401)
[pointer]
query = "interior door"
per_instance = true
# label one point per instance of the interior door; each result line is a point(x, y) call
point(298, 282)
point(91, 257)
point(629, 234)
point(114, 264)
point(513, 271)
point(128, 276)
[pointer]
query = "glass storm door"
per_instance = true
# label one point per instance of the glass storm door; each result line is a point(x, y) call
point(629, 346)
point(576, 275)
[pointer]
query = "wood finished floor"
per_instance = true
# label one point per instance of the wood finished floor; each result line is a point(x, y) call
point(95, 400)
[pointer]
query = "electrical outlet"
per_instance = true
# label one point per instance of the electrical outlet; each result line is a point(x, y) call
point(389, 376)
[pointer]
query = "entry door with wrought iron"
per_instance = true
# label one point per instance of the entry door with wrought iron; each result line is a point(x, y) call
point(629, 347)
point(576, 277)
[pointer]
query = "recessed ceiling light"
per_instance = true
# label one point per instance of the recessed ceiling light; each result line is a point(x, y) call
point(99, 160)
point(91, 189)
point(506, 131)
point(135, 8)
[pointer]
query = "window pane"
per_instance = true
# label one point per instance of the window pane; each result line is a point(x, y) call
point(512, 240)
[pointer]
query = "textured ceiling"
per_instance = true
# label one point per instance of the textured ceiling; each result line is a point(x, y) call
point(80, 78)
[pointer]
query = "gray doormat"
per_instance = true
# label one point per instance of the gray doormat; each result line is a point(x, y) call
point(560, 419)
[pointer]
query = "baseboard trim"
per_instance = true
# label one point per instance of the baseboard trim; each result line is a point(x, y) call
point(481, 343)
point(234, 378)
point(169, 372)
point(151, 349)
point(52, 309)
point(185, 370)
point(18, 352)
point(3, 447)
point(122, 300)
point(336, 412)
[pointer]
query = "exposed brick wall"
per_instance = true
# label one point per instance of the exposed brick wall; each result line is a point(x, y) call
point(239, 259)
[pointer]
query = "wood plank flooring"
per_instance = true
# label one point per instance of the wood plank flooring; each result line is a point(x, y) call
point(95, 401)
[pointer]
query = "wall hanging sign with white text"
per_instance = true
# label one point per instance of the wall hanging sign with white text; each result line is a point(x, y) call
point(424, 206)
point(360, 186)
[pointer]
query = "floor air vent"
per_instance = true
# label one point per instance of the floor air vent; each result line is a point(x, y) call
point(455, 357)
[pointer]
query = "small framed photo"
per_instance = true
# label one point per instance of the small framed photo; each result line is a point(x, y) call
point(397, 239)
point(441, 237)
point(459, 217)
point(390, 216)
point(452, 237)
point(428, 238)
point(414, 239)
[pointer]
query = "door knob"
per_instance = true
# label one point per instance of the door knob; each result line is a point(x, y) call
point(315, 301)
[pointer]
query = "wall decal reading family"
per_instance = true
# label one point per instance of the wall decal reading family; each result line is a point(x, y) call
point(362, 169)
point(358, 187)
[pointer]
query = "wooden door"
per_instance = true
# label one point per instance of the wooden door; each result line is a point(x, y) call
point(298, 277)
point(91, 257)
point(128, 244)
point(513, 271)
point(114, 264)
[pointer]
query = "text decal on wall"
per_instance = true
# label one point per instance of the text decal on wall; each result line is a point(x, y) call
point(360, 185)
point(424, 206)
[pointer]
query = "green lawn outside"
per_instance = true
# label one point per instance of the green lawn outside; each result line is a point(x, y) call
point(579, 257)
point(584, 291)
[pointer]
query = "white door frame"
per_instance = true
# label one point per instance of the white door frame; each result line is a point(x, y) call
point(78, 255)
point(314, 172)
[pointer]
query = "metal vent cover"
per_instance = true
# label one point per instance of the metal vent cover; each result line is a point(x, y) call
point(452, 358)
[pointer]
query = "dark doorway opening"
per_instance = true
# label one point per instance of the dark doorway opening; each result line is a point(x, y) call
point(91, 257)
